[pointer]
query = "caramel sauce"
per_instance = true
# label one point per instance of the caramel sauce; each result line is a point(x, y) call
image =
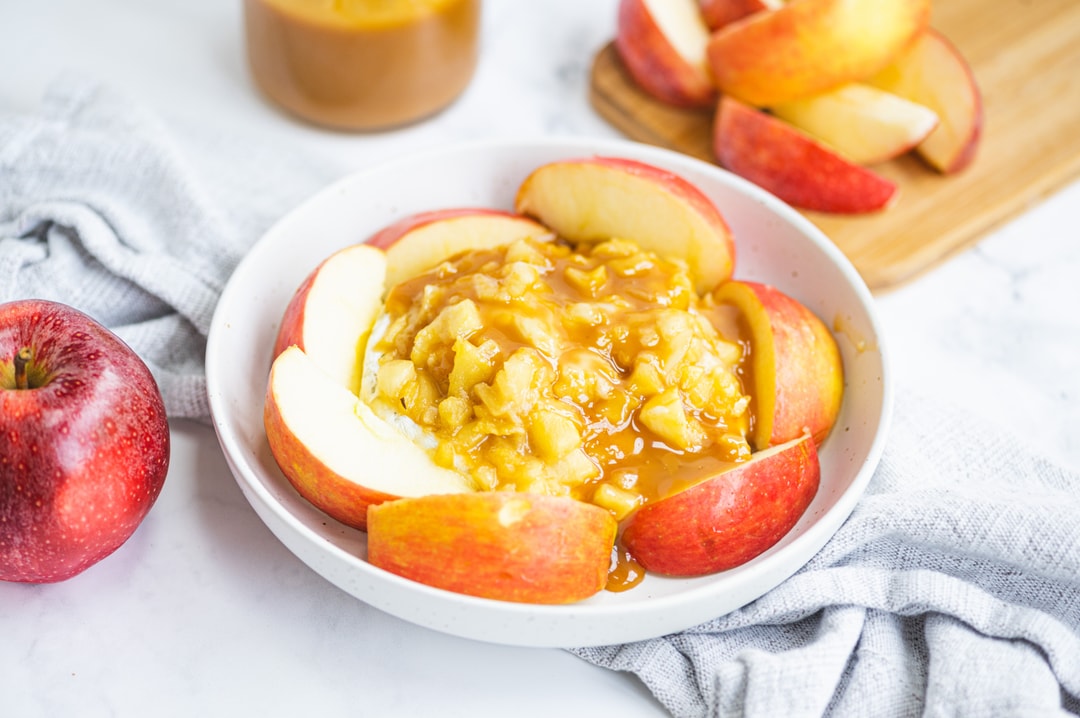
point(362, 64)
point(607, 329)
point(625, 571)
point(843, 326)
point(732, 325)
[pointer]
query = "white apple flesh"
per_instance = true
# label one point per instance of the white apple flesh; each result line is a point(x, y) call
point(416, 243)
point(597, 198)
point(84, 442)
point(865, 124)
point(336, 452)
point(935, 74)
point(332, 311)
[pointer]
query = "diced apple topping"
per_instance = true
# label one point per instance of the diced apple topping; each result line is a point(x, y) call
point(620, 502)
point(584, 371)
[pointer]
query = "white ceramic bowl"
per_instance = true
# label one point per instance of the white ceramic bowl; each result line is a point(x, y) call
point(774, 244)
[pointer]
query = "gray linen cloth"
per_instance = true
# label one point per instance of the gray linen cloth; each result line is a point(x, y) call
point(103, 208)
point(953, 589)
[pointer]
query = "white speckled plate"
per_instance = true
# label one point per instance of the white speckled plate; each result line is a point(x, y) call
point(774, 244)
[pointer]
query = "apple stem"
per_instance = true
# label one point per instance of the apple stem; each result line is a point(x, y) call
point(21, 359)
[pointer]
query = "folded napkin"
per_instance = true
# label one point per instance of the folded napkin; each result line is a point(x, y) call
point(103, 208)
point(953, 589)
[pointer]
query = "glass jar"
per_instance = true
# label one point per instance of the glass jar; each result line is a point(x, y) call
point(362, 64)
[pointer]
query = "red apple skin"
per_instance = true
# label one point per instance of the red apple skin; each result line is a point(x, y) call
point(933, 72)
point(519, 547)
point(653, 62)
point(339, 497)
point(808, 376)
point(83, 452)
point(291, 329)
point(335, 451)
point(795, 167)
point(729, 519)
point(346, 286)
point(811, 46)
point(718, 13)
point(797, 372)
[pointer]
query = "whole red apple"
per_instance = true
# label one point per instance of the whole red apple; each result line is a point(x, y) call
point(84, 442)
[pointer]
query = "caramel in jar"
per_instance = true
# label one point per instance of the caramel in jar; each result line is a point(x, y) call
point(362, 64)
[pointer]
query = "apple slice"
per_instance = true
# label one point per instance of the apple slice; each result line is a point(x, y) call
point(335, 451)
point(662, 43)
point(935, 74)
point(502, 545)
point(810, 46)
point(792, 165)
point(593, 199)
point(863, 123)
point(796, 372)
point(332, 311)
point(729, 518)
point(718, 13)
point(421, 241)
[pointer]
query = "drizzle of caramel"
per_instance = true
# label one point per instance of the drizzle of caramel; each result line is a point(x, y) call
point(610, 333)
point(625, 571)
point(843, 326)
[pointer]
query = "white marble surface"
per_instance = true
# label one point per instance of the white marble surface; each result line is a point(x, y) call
point(204, 613)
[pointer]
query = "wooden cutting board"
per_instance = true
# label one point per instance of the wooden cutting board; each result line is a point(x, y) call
point(1026, 58)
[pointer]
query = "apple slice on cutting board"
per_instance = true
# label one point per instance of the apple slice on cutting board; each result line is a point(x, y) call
point(934, 73)
point(797, 168)
point(808, 47)
point(718, 13)
point(861, 122)
point(662, 43)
